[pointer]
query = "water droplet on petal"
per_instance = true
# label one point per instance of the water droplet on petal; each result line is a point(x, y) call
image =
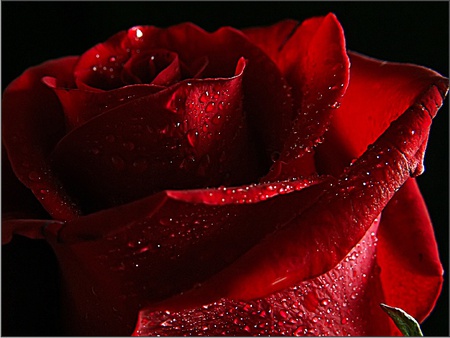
point(210, 107)
point(34, 176)
point(216, 119)
point(192, 136)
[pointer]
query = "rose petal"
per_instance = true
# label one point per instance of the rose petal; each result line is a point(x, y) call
point(411, 272)
point(138, 247)
point(18, 201)
point(32, 123)
point(321, 236)
point(343, 301)
point(101, 66)
point(267, 101)
point(313, 58)
point(379, 92)
point(158, 67)
point(82, 105)
point(189, 136)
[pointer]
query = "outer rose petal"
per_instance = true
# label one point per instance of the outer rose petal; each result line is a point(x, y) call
point(312, 56)
point(343, 301)
point(32, 123)
point(119, 259)
point(411, 273)
point(379, 92)
point(320, 237)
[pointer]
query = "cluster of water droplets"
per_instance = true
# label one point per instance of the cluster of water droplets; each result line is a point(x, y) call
point(253, 193)
point(332, 304)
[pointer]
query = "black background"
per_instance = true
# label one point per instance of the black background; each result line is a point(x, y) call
point(33, 32)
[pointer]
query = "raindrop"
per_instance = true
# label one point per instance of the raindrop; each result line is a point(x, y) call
point(210, 107)
point(204, 97)
point(34, 176)
point(216, 119)
point(192, 136)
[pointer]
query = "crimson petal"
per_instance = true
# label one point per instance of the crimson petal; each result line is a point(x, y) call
point(411, 272)
point(312, 56)
point(161, 141)
point(364, 113)
point(32, 123)
point(322, 235)
point(82, 105)
point(267, 101)
point(138, 247)
point(343, 301)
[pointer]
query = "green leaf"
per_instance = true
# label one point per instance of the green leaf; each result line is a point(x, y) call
point(406, 323)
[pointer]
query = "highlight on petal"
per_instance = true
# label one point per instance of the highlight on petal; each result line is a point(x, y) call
point(317, 239)
point(32, 123)
point(379, 92)
point(314, 60)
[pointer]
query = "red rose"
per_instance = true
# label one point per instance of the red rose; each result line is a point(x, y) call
point(206, 183)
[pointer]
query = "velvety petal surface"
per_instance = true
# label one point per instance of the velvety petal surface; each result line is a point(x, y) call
point(411, 272)
point(267, 101)
point(128, 254)
point(32, 123)
point(379, 92)
point(322, 235)
point(312, 56)
point(191, 135)
point(80, 105)
point(343, 301)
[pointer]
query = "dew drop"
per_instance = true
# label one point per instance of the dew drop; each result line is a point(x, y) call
point(324, 302)
point(216, 119)
point(192, 136)
point(34, 176)
point(283, 314)
point(204, 97)
point(138, 33)
point(210, 107)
